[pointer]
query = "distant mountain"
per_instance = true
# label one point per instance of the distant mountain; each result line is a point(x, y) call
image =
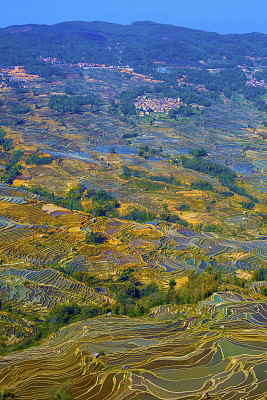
point(141, 43)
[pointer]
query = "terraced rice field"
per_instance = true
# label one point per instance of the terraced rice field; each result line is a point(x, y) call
point(176, 352)
point(173, 360)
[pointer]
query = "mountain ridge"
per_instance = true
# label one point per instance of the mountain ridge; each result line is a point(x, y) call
point(137, 44)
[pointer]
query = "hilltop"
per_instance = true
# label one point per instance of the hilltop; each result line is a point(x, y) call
point(141, 43)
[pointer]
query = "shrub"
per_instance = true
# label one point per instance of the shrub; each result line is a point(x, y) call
point(95, 238)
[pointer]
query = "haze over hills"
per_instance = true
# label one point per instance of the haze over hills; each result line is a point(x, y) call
point(140, 43)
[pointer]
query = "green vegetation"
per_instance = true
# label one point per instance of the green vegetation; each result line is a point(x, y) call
point(198, 287)
point(72, 200)
point(139, 216)
point(73, 104)
point(201, 152)
point(35, 159)
point(63, 393)
point(144, 151)
point(61, 315)
point(5, 142)
point(44, 70)
point(226, 176)
point(247, 205)
point(181, 111)
point(126, 172)
point(12, 168)
point(90, 41)
point(260, 274)
point(127, 98)
point(20, 109)
point(201, 185)
point(6, 395)
point(95, 238)
point(66, 314)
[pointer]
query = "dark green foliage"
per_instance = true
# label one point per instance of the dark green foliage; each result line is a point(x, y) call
point(15, 157)
point(226, 176)
point(18, 109)
point(155, 178)
point(113, 106)
point(201, 185)
point(63, 394)
point(247, 205)
point(185, 111)
point(44, 70)
point(227, 80)
point(90, 41)
point(198, 287)
point(263, 216)
point(12, 169)
point(256, 96)
point(66, 314)
point(173, 219)
point(126, 172)
point(201, 152)
point(95, 238)
point(144, 151)
point(263, 290)
point(172, 283)
point(187, 94)
point(139, 216)
point(34, 159)
point(6, 395)
point(213, 228)
point(127, 98)
point(260, 274)
point(88, 280)
point(125, 275)
point(11, 172)
point(226, 194)
point(19, 122)
point(207, 167)
point(184, 207)
point(133, 298)
point(103, 203)
point(100, 196)
point(72, 104)
point(129, 135)
point(5, 142)
point(167, 179)
point(72, 200)
point(261, 75)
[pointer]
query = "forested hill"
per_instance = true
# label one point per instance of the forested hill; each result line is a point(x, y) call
point(141, 43)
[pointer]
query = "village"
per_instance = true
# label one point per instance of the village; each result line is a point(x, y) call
point(146, 105)
point(251, 79)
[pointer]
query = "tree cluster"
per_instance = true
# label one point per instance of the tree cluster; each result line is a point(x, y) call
point(35, 159)
point(73, 104)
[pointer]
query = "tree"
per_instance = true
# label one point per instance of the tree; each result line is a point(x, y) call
point(126, 172)
point(95, 238)
point(172, 284)
point(64, 393)
point(6, 395)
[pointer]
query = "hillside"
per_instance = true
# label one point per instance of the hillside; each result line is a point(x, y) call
point(133, 213)
point(141, 43)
